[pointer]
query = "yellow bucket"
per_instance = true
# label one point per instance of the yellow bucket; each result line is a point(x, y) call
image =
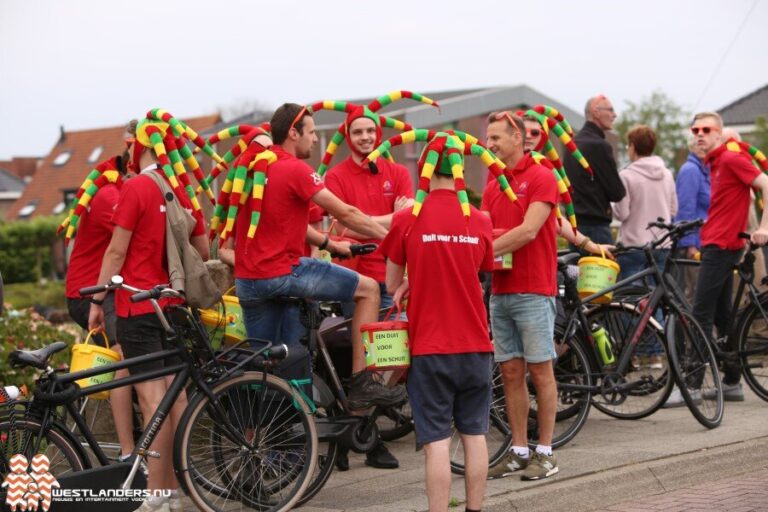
point(86, 356)
point(595, 274)
point(230, 318)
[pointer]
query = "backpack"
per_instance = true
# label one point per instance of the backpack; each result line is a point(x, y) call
point(186, 269)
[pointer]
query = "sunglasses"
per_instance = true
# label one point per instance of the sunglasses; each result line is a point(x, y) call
point(704, 129)
point(500, 116)
point(533, 132)
point(298, 116)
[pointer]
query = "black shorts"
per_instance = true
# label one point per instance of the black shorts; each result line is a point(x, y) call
point(450, 389)
point(79, 309)
point(141, 335)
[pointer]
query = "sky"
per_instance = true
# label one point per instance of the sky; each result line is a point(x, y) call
point(94, 63)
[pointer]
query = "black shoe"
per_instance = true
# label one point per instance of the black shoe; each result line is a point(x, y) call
point(379, 457)
point(342, 459)
point(365, 392)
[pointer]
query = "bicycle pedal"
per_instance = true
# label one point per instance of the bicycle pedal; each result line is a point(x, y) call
point(149, 453)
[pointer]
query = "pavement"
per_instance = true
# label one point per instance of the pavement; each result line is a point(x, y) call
point(651, 464)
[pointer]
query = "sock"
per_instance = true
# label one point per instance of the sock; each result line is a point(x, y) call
point(521, 451)
point(471, 510)
point(544, 450)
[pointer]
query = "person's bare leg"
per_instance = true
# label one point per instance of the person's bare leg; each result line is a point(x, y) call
point(121, 401)
point(438, 470)
point(150, 394)
point(516, 399)
point(367, 299)
point(543, 377)
point(176, 412)
point(475, 469)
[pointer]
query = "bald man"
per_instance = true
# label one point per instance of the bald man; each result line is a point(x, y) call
point(592, 198)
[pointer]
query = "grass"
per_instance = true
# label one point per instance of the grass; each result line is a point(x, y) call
point(44, 293)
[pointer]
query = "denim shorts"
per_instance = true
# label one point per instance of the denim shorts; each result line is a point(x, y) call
point(523, 325)
point(449, 389)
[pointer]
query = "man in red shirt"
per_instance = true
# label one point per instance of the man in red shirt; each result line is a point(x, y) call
point(523, 297)
point(449, 381)
point(378, 189)
point(137, 251)
point(271, 264)
point(732, 176)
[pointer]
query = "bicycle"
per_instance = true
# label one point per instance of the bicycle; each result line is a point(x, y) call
point(246, 439)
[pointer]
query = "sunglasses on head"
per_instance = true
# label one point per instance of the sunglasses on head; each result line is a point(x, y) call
point(298, 116)
point(500, 116)
point(704, 129)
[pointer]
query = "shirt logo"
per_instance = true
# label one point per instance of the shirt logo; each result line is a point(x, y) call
point(316, 178)
point(162, 208)
point(388, 187)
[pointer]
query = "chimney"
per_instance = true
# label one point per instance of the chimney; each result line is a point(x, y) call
point(62, 135)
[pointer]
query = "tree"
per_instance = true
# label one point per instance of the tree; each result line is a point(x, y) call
point(759, 137)
point(668, 119)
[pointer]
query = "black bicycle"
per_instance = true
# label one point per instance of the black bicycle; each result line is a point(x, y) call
point(246, 441)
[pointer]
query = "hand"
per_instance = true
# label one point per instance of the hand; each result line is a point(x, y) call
point(96, 317)
point(403, 202)
point(339, 248)
point(607, 249)
point(691, 252)
point(760, 237)
point(400, 293)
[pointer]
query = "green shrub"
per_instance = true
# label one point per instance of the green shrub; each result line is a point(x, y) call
point(46, 293)
point(25, 249)
point(29, 331)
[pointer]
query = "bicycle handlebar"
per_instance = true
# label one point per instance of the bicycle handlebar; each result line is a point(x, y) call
point(157, 292)
point(673, 231)
point(357, 250)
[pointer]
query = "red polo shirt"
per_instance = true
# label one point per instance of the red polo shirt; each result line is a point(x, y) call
point(280, 238)
point(732, 174)
point(534, 266)
point(141, 210)
point(94, 232)
point(373, 194)
point(444, 253)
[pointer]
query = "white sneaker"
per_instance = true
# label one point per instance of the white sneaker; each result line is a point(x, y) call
point(146, 506)
point(675, 399)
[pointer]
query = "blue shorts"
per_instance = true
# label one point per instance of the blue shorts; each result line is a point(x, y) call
point(449, 389)
point(523, 325)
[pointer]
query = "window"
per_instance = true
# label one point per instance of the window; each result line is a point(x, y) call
point(95, 154)
point(59, 208)
point(28, 210)
point(62, 158)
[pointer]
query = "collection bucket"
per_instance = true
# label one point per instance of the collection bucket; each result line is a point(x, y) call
point(89, 355)
point(229, 316)
point(386, 343)
point(502, 261)
point(595, 274)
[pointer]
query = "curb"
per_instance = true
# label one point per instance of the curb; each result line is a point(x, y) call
point(608, 487)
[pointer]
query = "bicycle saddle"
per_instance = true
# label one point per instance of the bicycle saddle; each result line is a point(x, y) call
point(37, 358)
point(567, 259)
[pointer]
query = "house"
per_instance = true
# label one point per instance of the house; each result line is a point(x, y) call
point(464, 110)
point(11, 187)
point(63, 170)
point(742, 113)
point(23, 167)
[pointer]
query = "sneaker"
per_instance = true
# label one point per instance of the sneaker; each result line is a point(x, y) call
point(342, 459)
point(510, 463)
point(540, 466)
point(379, 457)
point(148, 505)
point(365, 392)
point(655, 362)
point(676, 398)
point(731, 393)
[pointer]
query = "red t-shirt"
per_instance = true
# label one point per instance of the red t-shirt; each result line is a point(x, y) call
point(373, 194)
point(731, 174)
point(534, 265)
point(141, 210)
point(94, 232)
point(444, 253)
point(279, 240)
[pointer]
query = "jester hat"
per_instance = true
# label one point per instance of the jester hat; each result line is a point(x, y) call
point(759, 160)
point(445, 150)
point(368, 111)
point(104, 173)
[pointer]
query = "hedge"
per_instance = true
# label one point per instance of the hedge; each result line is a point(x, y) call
point(25, 249)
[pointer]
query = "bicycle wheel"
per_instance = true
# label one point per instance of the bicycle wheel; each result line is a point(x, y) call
point(695, 368)
point(499, 436)
point(395, 422)
point(328, 452)
point(22, 435)
point(752, 334)
point(647, 382)
point(271, 470)
point(572, 374)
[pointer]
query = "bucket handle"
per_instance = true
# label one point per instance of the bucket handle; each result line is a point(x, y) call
point(95, 331)
point(389, 313)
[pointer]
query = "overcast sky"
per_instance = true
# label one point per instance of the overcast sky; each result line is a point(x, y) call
point(95, 63)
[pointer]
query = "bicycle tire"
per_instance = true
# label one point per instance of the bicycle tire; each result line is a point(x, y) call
point(218, 473)
point(653, 385)
point(752, 333)
point(695, 368)
point(328, 452)
point(395, 422)
point(19, 435)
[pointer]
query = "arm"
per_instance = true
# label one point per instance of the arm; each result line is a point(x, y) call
point(397, 283)
point(583, 241)
point(348, 215)
point(517, 237)
point(318, 239)
point(110, 266)
point(384, 221)
point(226, 252)
point(761, 235)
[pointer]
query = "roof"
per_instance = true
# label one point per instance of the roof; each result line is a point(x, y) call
point(746, 109)
point(454, 105)
point(21, 166)
point(51, 180)
point(11, 186)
